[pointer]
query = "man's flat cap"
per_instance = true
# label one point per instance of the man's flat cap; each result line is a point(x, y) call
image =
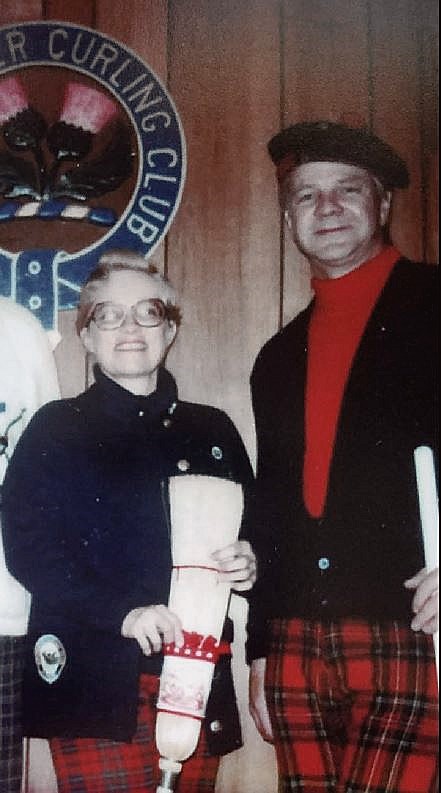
point(326, 141)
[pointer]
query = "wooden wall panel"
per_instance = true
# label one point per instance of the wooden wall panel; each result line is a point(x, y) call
point(70, 356)
point(325, 54)
point(140, 24)
point(223, 249)
point(396, 104)
point(19, 10)
point(80, 12)
point(429, 47)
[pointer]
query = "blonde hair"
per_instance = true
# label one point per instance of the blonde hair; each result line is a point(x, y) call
point(119, 261)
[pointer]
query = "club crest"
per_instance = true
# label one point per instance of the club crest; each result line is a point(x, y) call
point(92, 157)
point(50, 657)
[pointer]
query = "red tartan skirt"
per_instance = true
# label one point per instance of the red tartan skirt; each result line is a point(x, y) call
point(98, 765)
point(354, 707)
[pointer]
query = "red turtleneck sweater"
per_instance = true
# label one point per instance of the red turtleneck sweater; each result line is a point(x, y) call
point(341, 310)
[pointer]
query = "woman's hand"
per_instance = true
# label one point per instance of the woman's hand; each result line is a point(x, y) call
point(151, 626)
point(237, 565)
point(425, 600)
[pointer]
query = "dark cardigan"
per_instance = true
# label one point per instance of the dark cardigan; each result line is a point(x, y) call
point(86, 531)
point(352, 561)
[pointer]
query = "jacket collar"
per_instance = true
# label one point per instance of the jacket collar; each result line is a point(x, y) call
point(112, 399)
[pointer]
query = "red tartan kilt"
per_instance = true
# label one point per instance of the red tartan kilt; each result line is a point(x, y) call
point(93, 765)
point(353, 707)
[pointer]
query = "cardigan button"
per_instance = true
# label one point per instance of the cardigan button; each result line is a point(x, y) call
point(166, 423)
point(216, 726)
point(217, 453)
point(324, 563)
point(183, 465)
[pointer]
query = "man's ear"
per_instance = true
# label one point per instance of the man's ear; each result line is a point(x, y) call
point(385, 204)
point(87, 340)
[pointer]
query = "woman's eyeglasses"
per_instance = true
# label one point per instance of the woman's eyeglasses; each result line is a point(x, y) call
point(147, 313)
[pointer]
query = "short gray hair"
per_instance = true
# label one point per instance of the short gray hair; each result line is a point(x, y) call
point(119, 261)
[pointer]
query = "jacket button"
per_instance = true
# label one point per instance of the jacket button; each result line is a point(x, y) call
point(216, 726)
point(183, 465)
point(217, 453)
point(166, 423)
point(324, 563)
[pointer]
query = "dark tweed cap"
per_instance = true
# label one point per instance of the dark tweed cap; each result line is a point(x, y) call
point(326, 141)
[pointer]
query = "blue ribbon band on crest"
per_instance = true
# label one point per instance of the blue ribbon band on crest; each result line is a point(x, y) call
point(35, 284)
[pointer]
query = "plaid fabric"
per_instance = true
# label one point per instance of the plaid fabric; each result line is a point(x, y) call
point(353, 707)
point(11, 739)
point(94, 765)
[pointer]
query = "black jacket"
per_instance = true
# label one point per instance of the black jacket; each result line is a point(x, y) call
point(354, 559)
point(86, 531)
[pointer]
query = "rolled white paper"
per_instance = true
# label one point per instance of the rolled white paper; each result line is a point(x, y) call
point(429, 514)
point(428, 501)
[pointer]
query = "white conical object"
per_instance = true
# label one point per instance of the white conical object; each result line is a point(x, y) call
point(206, 513)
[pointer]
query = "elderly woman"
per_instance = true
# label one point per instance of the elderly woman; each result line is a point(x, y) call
point(86, 523)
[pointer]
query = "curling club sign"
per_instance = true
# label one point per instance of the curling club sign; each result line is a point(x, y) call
point(92, 157)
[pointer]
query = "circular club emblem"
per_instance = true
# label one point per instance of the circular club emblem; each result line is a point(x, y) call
point(92, 157)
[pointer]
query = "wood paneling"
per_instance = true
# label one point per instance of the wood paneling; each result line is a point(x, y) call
point(19, 11)
point(325, 56)
point(80, 12)
point(429, 49)
point(70, 356)
point(223, 251)
point(141, 24)
point(396, 106)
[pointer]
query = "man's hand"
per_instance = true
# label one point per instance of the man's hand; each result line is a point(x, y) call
point(425, 603)
point(237, 565)
point(258, 707)
point(151, 626)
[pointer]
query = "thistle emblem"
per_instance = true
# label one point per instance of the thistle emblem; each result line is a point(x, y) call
point(62, 164)
point(101, 146)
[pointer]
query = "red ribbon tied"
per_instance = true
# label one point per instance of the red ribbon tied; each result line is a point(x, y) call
point(198, 647)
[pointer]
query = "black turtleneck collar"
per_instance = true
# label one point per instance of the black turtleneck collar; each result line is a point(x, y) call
point(115, 400)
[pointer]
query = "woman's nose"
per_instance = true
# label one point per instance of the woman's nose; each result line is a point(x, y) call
point(129, 320)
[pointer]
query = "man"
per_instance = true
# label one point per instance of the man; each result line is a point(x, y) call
point(28, 379)
point(341, 620)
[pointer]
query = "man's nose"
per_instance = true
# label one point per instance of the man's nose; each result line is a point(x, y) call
point(328, 203)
